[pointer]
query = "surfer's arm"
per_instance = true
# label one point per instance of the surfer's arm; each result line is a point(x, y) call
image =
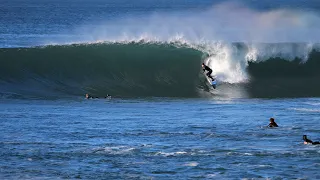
point(271, 125)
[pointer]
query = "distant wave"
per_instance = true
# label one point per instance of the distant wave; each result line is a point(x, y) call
point(160, 69)
point(306, 110)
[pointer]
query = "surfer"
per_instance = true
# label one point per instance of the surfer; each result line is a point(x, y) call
point(88, 96)
point(308, 141)
point(206, 68)
point(272, 123)
point(91, 97)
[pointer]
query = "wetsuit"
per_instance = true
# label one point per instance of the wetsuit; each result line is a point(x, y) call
point(273, 124)
point(206, 68)
point(309, 141)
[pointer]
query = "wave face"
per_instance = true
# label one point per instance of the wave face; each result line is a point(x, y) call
point(125, 70)
point(154, 69)
point(280, 78)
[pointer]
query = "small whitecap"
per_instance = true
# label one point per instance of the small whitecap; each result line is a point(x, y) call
point(211, 175)
point(114, 150)
point(180, 152)
point(305, 109)
point(264, 165)
point(171, 153)
point(191, 164)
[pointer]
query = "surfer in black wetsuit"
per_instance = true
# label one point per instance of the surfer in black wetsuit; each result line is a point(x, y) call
point(308, 141)
point(272, 123)
point(206, 68)
point(91, 97)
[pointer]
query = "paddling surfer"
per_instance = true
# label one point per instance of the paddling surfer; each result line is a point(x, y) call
point(308, 141)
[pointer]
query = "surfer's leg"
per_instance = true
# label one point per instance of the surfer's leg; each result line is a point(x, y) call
point(209, 75)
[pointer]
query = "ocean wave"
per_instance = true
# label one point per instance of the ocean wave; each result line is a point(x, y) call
point(158, 69)
point(252, 52)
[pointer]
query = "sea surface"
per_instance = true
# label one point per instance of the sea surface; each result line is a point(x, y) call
point(164, 121)
point(159, 139)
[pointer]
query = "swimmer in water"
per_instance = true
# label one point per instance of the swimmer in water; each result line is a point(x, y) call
point(91, 97)
point(308, 141)
point(88, 96)
point(272, 123)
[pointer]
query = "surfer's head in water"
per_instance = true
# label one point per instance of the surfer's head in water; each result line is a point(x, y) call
point(308, 141)
point(88, 96)
point(272, 123)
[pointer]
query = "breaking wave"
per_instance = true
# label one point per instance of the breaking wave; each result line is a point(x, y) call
point(253, 53)
point(157, 69)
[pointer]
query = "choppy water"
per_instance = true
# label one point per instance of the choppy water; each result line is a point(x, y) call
point(159, 138)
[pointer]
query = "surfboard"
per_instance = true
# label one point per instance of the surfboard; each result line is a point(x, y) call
point(212, 83)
